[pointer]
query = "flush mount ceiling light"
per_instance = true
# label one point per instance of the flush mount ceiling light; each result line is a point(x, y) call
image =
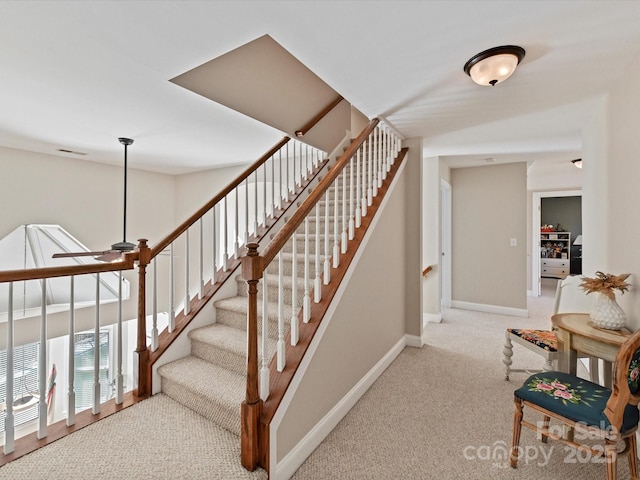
point(577, 162)
point(495, 65)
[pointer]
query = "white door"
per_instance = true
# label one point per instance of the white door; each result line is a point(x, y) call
point(445, 244)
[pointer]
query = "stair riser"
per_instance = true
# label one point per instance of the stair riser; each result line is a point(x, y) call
point(236, 362)
point(225, 359)
point(287, 267)
point(332, 208)
point(288, 247)
point(228, 419)
point(312, 226)
point(272, 292)
point(238, 320)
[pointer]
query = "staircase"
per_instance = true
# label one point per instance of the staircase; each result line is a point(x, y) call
point(212, 380)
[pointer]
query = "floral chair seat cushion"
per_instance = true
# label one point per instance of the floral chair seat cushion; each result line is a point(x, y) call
point(544, 339)
point(573, 398)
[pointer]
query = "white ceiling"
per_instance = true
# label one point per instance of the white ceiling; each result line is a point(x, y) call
point(77, 75)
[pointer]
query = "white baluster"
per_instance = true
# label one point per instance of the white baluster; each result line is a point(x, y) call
point(394, 151)
point(317, 286)
point(119, 377)
point(236, 231)
point(225, 255)
point(376, 161)
point(201, 261)
point(264, 370)
point(246, 210)
point(280, 183)
point(281, 344)
point(327, 252)
point(288, 177)
point(214, 278)
point(172, 292)
point(96, 352)
point(295, 181)
point(385, 153)
point(303, 166)
point(71, 394)
point(306, 302)
point(42, 366)
point(336, 218)
point(358, 215)
point(369, 176)
point(154, 328)
point(273, 187)
point(352, 205)
point(381, 167)
point(264, 195)
point(187, 298)
point(343, 244)
point(294, 293)
point(9, 421)
point(255, 203)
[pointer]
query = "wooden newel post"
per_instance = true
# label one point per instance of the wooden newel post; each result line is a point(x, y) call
point(251, 410)
point(142, 376)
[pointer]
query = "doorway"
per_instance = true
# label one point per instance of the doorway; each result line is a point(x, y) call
point(445, 244)
point(536, 287)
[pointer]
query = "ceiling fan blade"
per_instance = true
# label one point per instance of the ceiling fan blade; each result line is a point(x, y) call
point(85, 254)
point(110, 256)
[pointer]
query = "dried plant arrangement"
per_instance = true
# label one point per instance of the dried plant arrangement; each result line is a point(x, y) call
point(606, 283)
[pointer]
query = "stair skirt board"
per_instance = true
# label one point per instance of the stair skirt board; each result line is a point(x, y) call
point(294, 459)
point(297, 456)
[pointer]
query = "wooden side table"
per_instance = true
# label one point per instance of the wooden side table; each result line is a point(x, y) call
point(576, 333)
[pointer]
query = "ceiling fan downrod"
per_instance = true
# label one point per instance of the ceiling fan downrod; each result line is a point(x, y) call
point(124, 246)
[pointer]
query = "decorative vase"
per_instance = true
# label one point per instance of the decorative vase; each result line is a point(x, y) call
point(606, 313)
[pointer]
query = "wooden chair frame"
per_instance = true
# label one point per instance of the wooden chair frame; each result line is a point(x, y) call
point(550, 357)
point(620, 397)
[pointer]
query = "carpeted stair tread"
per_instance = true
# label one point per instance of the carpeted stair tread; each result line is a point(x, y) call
point(212, 391)
point(224, 346)
point(238, 304)
point(233, 313)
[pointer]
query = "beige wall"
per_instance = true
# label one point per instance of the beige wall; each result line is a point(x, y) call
point(83, 197)
point(611, 229)
point(369, 321)
point(358, 121)
point(488, 209)
point(193, 190)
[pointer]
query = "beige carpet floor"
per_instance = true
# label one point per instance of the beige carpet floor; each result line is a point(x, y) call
point(440, 412)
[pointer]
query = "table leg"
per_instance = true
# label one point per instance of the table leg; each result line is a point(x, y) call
point(607, 368)
point(567, 357)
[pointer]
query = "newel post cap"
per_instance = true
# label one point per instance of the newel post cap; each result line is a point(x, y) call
point(252, 263)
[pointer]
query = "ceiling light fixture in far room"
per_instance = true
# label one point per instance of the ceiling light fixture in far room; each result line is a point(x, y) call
point(495, 65)
point(577, 162)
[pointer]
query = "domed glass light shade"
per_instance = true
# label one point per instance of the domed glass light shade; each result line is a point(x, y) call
point(495, 65)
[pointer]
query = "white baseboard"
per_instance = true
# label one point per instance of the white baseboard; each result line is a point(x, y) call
point(296, 457)
point(480, 307)
point(431, 318)
point(413, 341)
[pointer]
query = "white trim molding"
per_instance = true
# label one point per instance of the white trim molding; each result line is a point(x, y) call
point(480, 307)
point(297, 456)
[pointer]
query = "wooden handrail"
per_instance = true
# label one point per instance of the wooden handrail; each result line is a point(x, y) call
point(127, 263)
point(281, 238)
point(166, 241)
point(312, 123)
